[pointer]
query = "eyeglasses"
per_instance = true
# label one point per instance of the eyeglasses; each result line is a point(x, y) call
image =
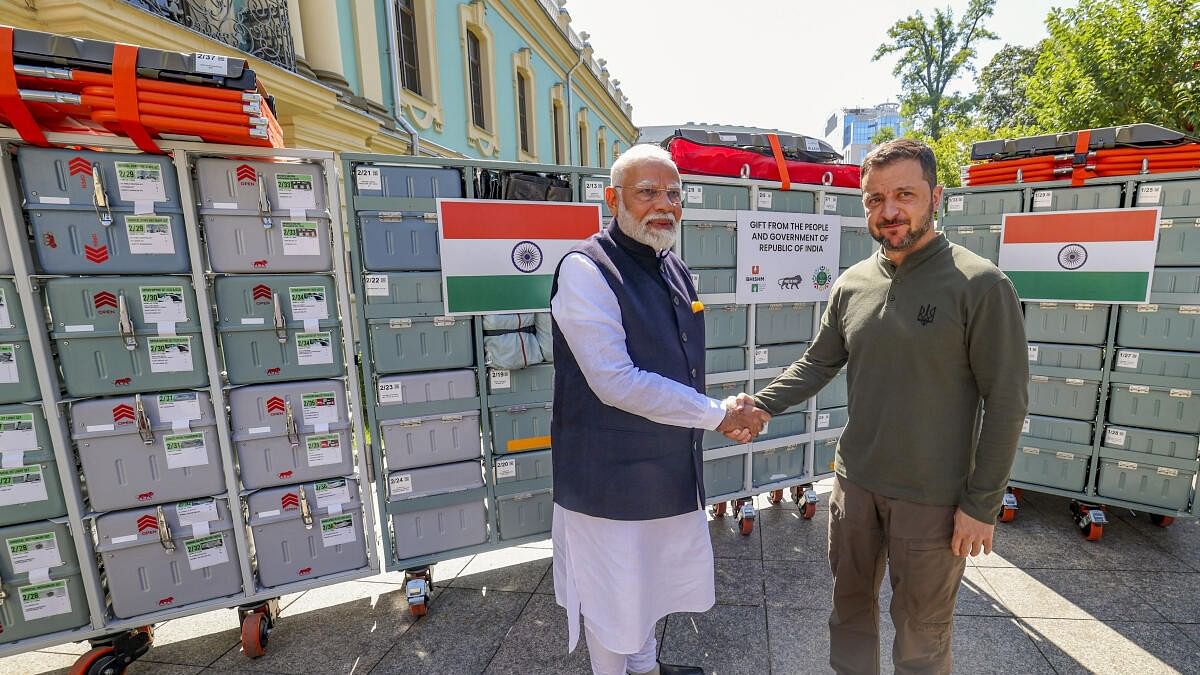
point(648, 194)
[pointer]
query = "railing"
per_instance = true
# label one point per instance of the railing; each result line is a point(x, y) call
point(258, 27)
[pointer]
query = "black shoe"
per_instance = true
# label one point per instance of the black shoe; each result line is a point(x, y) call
point(668, 669)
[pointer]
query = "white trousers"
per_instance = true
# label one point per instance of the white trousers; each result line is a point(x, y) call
point(605, 662)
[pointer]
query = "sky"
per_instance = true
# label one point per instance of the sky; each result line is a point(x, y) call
point(783, 64)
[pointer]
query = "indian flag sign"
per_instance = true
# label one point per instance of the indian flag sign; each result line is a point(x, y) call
point(1104, 255)
point(500, 256)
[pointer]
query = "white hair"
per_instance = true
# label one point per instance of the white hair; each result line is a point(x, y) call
point(642, 152)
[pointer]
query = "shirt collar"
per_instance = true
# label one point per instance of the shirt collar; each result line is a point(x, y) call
point(915, 259)
point(636, 248)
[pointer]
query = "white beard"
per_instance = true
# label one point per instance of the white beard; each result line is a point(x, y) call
point(642, 232)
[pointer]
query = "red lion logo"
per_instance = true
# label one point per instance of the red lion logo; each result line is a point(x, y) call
point(166, 601)
point(305, 570)
point(260, 263)
point(272, 371)
point(122, 381)
point(146, 496)
point(285, 474)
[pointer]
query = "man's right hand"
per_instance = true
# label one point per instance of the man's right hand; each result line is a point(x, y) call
point(743, 420)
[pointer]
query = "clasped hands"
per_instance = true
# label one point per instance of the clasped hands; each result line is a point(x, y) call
point(743, 420)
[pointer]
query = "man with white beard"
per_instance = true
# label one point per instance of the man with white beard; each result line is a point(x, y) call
point(631, 541)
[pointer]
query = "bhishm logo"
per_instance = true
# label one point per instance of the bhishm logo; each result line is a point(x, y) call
point(822, 278)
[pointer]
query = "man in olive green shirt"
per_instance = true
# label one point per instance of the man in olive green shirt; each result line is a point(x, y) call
point(934, 343)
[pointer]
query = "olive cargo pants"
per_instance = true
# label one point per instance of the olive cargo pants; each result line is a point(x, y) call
point(866, 531)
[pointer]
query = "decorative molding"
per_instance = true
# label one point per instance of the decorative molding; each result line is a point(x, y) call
point(472, 18)
point(425, 109)
point(558, 119)
point(583, 137)
point(523, 65)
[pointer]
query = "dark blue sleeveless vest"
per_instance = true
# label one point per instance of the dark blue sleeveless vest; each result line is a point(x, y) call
point(609, 463)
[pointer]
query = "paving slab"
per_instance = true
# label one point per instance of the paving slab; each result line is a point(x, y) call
point(739, 582)
point(537, 643)
point(443, 572)
point(994, 645)
point(1176, 596)
point(728, 542)
point(788, 536)
point(515, 569)
point(726, 639)
point(1070, 594)
point(1181, 539)
point(1074, 646)
point(51, 663)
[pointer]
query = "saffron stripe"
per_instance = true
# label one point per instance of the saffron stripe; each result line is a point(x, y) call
point(1081, 226)
point(476, 219)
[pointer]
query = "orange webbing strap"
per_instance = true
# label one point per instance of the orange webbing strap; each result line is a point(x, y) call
point(125, 97)
point(780, 162)
point(11, 104)
point(1079, 162)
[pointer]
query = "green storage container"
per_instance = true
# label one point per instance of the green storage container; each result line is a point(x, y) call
point(980, 208)
point(17, 379)
point(724, 326)
point(704, 196)
point(724, 476)
point(30, 489)
point(1051, 463)
point(777, 464)
point(1159, 327)
point(1066, 323)
point(1162, 408)
point(709, 244)
point(1056, 397)
point(414, 344)
point(41, 581)
point(783, 322)
point(1152, 442)
point(1165, 483)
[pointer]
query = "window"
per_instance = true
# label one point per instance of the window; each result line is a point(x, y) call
point(600, 152)
point(583, 148)
point(616, 151)
point(410, 66)
point(556, 121)
point(523, 111)
point(475, 70)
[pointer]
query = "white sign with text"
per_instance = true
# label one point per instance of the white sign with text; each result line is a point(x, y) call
point(786, 257)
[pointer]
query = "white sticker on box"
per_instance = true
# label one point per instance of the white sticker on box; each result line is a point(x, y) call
point(41, 601)
point(99, 427)
point(258, 430)
point(1033, 352)
point(829, 204)
point(227, 206)
point(331, 493)
point(1025, 426)
point(22, 485)
point(79, 328)
point(212, 64)
point(506, 468)
point(1149, 194)
point(184, 405)
point(323, 449)
point(5, 319)
point(180, 426)
point(308, 303)
point(124, 539)
point(268, 514)
point(760, 356)
point(298, 214)
point(8, 364)
point(1115, 437)
point(955, 203)
point(169, 354)
point(296, 191)
point(143, 208)
point(163, 304)
point(390, 392)
point(333, 509)
point(812, 145)
point(695, 194)
point(141, 182)
point(33, 552)
point(319, 407)
point(206, 551)
point(822, 420)
point(165, 328)
point(368, 178)
point(337, 530)
point(1127, 359)
point(400, 484)
point(300, 237)
point(499, 378)
point(43, 199)
point(11, 459)
point(314, 349)
point(1167, 471)
point(376, 284)
point(17, 432)
point(184, 450)
point(149, 235)
point(194, 511)
point(1043, 199)
point(253, 321)
point(200, 529)
point(765, 199)
point(593, 190)
point(39, 576)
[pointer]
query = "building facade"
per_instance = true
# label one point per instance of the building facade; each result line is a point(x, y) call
point(850, 130)
point(492, 79)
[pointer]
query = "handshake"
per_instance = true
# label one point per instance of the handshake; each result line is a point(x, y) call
point(743, 420)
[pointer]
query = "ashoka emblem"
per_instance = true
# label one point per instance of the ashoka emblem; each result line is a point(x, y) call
point(527, 257)
point(1072, 256)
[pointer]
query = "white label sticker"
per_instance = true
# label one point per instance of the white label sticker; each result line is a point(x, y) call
point(296, 191)
point(258, 430)
point(377, 285)
point(1139, 389)
point(1129, 466)
point(184, 450)
point(331, 492)
point(184, 405)
point(593, 190)
point(337, 530)
point(444, 321)
point(506, 468)
point(212, 64)
point(206, 551)
point(169, 354)
point(163, 304)
point(300, 237)
point(33, 552)
point(812, 145)
point(149, 235)
point(308, 303)
point(760, 356)
point(43, 199)
point(40, 601)
point(5, 319)
point(8, 364)
point(1149, 194)
point(1065, 455)
point(1167, 471)
point(822, 420)
point(368, 178)
point(390, 393)
point(829, 204)
point(314, 349)
point(17, 432)
point(499, 378)
point(399, 323)
point(1033, 352)
point(1127, 359)
point(320, 407)
point(1025, 426)
point(765, 199)
point(323, 449)
point(1030, 451)
point(400, 484)
point(140, 182)
point(22, 485)
point(1147, 308)
point(194, 511)
point(695, 194)
point(1115, 437)
point(955, 203)
point(1043, 199)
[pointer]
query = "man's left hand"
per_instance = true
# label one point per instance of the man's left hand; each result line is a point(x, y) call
point(971, 537)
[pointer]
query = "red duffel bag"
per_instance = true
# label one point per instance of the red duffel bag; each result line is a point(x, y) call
point(723, 160)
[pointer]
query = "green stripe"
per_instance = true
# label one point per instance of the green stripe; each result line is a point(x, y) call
point(1081, 286)
point(499, 293)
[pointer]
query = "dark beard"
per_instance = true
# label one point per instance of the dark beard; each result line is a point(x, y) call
point(909, 239)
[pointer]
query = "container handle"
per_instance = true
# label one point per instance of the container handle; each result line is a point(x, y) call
point(293, 433)
point(280, 324)
point(264, 204)
point(305, 511)
point(164, 531)
point(143, 422)
point(100, 198)
point(125, 325)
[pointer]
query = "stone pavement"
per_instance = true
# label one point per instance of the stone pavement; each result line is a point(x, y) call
point(1045, 601)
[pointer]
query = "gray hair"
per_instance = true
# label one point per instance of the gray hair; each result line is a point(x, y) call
point(641, 152)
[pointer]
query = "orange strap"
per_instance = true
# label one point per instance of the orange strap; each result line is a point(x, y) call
point(1079, 163)
point(124, 69)
point(780, 162)
point(11, 104)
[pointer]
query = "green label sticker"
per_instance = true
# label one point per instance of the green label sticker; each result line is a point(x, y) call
point(337, 530)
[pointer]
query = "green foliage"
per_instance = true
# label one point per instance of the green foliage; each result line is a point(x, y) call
point(884, 135)
point(1110, 62)
point(1003, 100)
point(932, 54)
point(953, 149)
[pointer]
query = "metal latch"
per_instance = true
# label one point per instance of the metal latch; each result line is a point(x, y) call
point(164, 531)
point(280, 324)
point(293, 433)
point(305, 512)
point(124, 325)
point(99, 198)
point(3, 593)
point(264, 204)
point(143, 422)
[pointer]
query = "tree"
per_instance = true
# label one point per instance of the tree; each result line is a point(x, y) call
point(1003, 100)
point(884, 135)
point(1111, 62)
point(932, 55)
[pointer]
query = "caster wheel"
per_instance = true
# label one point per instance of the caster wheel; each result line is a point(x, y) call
point(1093, 532)
point(775, 497)
point(1007, 514)
point(746, 526)
point(418, 610)
point(718, 509)
point(254, 634)
point(808, 511)
point(97, 661)
point(1017, 492)
point(1160, 520)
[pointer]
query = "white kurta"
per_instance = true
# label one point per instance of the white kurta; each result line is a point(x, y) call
point(624, 575)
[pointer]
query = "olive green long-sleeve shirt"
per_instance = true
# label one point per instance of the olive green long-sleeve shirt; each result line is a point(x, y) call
point(925, 344)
